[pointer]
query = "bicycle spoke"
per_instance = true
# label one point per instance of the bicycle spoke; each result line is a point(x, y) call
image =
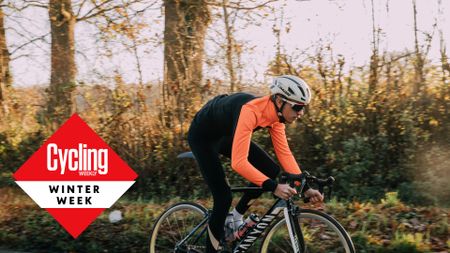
point(183, 221)
point(280, 249)
point(320, 234)
point(178, 227)
point(165, 248)
point(173, 226)
point(174, 239)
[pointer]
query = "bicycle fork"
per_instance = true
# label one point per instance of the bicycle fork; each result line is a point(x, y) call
point(291, 214)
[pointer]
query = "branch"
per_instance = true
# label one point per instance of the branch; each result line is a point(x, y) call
point(81, 7)
point(29, 42)
point(91, 13)
point(29, 3)
point(32, 57)
point(383, 63)
point(237, 6)
point(149, 7)
point(102, 9)
point(430, 38)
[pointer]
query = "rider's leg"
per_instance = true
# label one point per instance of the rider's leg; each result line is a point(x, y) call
point(213, 173)
point(258, 158)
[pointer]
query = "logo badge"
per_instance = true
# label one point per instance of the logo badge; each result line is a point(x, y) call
point(75, 175)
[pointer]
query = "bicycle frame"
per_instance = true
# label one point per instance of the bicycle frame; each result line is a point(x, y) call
point(290, 211)
point(291, 214)
point(205, 220)
point(252, 235)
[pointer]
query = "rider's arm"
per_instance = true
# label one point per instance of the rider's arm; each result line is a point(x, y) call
point(282, 150)
point(241, 145)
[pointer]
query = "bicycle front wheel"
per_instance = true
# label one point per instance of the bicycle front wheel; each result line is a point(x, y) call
point(321, 232)
point(179, 229)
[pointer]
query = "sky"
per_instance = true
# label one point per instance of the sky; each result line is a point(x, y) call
point(346, 24)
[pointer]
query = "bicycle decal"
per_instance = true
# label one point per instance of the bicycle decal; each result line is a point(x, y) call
point(253, 234)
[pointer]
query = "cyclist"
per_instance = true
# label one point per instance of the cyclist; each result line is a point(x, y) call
point(225, 125)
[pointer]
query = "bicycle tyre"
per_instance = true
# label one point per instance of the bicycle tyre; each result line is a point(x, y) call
point(184, 216)
point(316, 228)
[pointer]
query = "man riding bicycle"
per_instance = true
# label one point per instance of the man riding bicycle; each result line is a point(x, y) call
point(225, 125)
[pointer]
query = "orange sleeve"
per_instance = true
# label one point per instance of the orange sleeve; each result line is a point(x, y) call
point(241, 146)
point(282, 150)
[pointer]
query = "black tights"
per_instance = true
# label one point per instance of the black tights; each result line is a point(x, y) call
point(206, 152)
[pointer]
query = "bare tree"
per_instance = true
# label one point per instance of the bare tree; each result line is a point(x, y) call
point(230, 46)
point(185, 28)
point(63, 18)
point(445, 66)
point(419, 81)
point(421, 53)
point(277, 30)
point(124, 22)
point(234, 15)
point(63, 68)
point(374, 58)
point(5, 74)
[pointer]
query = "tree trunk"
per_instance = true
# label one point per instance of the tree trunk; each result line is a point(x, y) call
point(445, 66)
point(276, 29)
point(419, 75)
point(374, 58)
point(185, 28)
point(230, 46)
point(5, 74)
point(63, 68)
point(388, 63)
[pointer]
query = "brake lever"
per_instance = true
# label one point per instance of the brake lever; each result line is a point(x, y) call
point(283, 179)
point(330, 189)
point(321, 185)
point(330, 181)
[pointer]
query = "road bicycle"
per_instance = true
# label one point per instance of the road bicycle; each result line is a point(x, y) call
point(286, 227)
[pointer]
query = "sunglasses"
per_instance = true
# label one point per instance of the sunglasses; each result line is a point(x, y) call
point(295, 106)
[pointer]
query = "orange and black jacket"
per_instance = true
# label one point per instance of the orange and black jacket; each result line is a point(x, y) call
point(238, 116)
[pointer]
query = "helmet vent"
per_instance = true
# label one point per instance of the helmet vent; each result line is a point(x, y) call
point(302, 91)
point(298, 85)
point(291, 91)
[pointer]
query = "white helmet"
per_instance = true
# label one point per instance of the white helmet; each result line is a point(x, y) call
point(292, 88)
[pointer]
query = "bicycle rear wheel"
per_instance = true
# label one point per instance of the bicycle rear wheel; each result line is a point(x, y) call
point(175, 224)
point(321, 232)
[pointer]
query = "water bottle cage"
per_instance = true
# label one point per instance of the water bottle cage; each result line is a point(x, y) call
point(244, 234)
point(247, 226)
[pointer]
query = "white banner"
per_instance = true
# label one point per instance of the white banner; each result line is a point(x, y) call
point(75, 194)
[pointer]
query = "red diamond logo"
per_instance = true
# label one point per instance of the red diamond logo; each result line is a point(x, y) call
point(75, 175)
